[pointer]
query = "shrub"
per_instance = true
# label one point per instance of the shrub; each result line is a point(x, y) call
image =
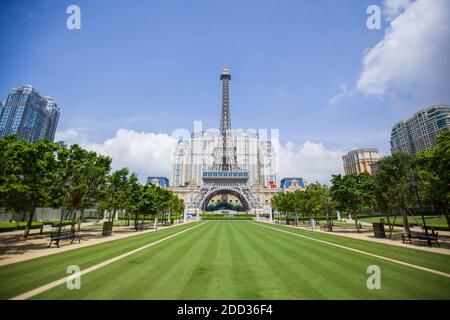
point(11, 226)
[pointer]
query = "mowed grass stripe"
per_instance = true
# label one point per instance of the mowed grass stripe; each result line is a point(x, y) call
point(245, 276)
point(145, 275)
point(378, 256)
point(432, 260)
point(34, 291)
point(336, 273)
point(24, 276)
point(280, 267)
point(211, 268)
point(307, 268)
point(173, 270)
point(242, 260)
point(282, 279)
point(317, 272)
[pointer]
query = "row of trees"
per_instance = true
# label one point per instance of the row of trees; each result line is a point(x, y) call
point(401, 184)
point(47, 174)
point(313, 201)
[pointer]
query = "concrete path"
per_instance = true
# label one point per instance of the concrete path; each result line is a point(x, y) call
point(396, 240)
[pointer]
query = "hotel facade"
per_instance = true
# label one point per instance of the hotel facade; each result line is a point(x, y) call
point(360, 160)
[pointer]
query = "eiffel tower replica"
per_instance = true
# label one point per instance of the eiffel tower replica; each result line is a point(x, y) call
point(225, 176)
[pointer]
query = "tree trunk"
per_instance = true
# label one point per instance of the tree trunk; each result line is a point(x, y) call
point(356, 222)
point(445, 212)
point(30, 221)
point(81, 219)
point(112, 216)
point(405, 220)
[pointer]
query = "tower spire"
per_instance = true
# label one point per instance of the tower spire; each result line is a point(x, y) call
point(225, 117)
point(225, 154)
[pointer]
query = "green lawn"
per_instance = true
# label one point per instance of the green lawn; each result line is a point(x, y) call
point(234, 260)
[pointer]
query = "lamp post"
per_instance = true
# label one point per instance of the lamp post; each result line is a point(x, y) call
point(415, 183)
point(66, 195)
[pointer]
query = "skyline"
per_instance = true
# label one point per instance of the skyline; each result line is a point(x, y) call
point(155, 67)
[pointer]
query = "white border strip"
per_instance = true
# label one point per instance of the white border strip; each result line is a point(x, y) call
point(444, 274)
point(56, 283)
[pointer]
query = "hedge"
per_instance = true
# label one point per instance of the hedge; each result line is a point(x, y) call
point(227, 217)
point(11, 226)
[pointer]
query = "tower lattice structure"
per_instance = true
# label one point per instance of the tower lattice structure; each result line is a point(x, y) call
point(225, 175)
point(225, 158)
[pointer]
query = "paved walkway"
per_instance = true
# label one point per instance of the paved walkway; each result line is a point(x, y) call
point(367, 235)
point(400, 229)
point(13, 250)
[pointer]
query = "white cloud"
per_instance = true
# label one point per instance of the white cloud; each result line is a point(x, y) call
point(392, 8)
point(414, 51)
point(344, 92)
point(146, 154)
point(310, 161)
point(67, 135)
point(151, 154)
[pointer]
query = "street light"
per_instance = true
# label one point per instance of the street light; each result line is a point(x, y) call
point(415, 184)
point(67, 184)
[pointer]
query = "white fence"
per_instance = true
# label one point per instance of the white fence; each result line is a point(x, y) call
point(45, 214)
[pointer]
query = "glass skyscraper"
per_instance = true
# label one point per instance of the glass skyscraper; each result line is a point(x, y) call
point(29, 115)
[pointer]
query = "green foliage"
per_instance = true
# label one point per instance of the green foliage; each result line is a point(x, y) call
point(227, 217)
point(11, 226)
point(225, 206)
point(315, 201)
point(28, 173)
point(434, 167)
point(55, 175)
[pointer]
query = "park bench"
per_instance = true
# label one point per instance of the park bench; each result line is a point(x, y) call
point(421, 236)
point(57, 236)
point(326, 227)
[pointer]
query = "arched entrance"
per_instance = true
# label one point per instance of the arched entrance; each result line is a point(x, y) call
point(235, 191)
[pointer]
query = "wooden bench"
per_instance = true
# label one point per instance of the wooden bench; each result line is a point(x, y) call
point(57, 236)
point(422, 236)
point(326, 227)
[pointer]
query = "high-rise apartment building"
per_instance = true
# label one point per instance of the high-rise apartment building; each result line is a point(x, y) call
point(418, 133)
point(29, 115)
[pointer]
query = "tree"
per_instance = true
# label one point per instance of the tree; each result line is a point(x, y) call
point(352, 193)
point(434, 166)
point(286, 203)
point(81, 176)
point(114, 193)
point(395, 177)
point(313, 198)
point(28, 174)
point(5, 169)
point(325, 202)
point(133, 197)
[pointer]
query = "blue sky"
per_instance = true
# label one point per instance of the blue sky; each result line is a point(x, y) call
point(154, 66)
